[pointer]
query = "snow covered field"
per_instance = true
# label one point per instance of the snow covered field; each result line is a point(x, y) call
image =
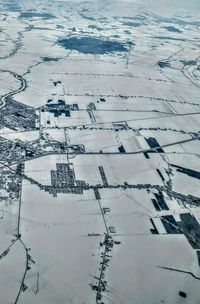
point(99, 147)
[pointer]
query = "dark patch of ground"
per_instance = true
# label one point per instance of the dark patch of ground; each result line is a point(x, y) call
point(173, 29)
point(29, 14)
point(90, 45)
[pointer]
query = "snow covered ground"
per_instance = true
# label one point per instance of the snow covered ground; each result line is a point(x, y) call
point(114, 87)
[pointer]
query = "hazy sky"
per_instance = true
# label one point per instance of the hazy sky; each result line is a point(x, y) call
point(170, 6)
point(165, 8)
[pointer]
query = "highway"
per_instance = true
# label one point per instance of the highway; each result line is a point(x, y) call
point(113, 153)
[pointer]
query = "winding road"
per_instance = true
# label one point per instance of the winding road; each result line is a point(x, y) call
point(22, 87)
